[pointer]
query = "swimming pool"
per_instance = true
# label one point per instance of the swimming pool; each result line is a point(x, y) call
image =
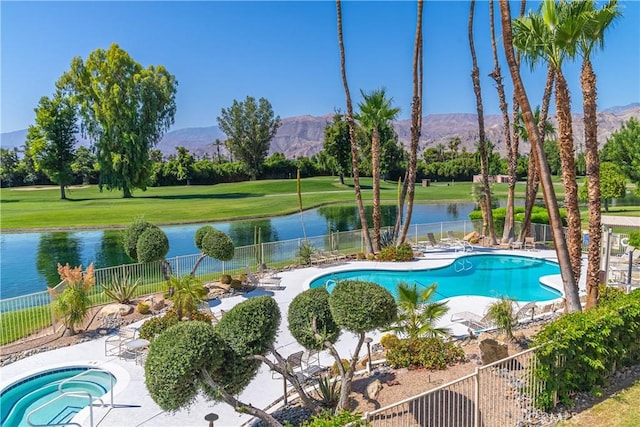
point(482, 275)
point(22, 397)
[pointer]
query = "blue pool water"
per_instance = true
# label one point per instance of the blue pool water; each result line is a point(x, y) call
point(482, 275)
point(18, 399)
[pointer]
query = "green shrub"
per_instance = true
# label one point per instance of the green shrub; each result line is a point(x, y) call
point(591, 344)
point(200, 233)
point(156, 325)
point(361, 306)
point(236, 284)
point(217, 245)
point(389, 341)
point(225, 279)
point(342, 418)
point(152, 245)
point(143, 307)
point(121, 289)
point(371, 257)
point(360, 256)
point(404, 252)
point(305, 251)
point(306, 308)
point(130, 236)
point(428, 353)
point(501, 315)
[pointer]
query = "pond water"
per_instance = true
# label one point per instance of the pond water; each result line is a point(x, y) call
point(28, 260)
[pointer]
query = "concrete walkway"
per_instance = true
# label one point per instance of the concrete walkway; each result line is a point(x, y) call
point(134, 406)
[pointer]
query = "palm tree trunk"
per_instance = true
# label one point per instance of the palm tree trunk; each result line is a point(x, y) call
point(416, 125)
point(352, 137)
point(375, 170)
point(562, 252)
point(533, 178)
point(512, 147)
point(588, 81)
point(475, 76)
point(568, 161)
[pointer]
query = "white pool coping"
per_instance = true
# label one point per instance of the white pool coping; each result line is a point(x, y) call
point(134, 406)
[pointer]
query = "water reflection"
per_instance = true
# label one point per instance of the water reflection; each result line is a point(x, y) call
point(53, 248)
point(245, 233)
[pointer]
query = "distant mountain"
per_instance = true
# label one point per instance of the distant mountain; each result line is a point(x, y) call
point(303, 135)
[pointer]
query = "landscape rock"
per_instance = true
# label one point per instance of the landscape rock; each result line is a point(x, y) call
point(492, 351)
point(116, 309)
point(373, 389)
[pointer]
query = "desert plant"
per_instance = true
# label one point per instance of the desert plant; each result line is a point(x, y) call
point(225, 279)
point(339, 419)
point(335, 371)
point(236, 284)
point(501, 315)
point(73, 304)
point(305, 251)
point(121, 289)
point(143, 307)
point(156, 325)
point(328, 392)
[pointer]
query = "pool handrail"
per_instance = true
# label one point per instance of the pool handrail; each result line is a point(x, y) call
point(89, 395)
point(84, 373)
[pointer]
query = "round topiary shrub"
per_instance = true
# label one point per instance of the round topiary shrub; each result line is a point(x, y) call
point(130, 237)
point(152, 245)
point(225, 279)
point(359, 306)
point(307, 307)
point(218, 245)
point(200, 233)
point(236, 284)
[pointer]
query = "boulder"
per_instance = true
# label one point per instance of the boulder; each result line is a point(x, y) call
point(116, 309)
point(373, 389)
point(492, 351)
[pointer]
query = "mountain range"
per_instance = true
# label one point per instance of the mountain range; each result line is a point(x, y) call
point(303, 135)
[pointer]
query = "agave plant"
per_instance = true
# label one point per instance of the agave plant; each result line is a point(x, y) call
point(121, 289)
point(328, 392)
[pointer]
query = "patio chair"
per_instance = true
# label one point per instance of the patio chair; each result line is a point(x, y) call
point(264, 282)
point(473, 321)
point(529, 244)
point(526, 312)
point(114, 345)
point(434, 243)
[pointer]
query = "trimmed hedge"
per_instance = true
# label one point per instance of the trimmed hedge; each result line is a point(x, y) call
point(590, 346)
point(539, 215)
point(428, 353)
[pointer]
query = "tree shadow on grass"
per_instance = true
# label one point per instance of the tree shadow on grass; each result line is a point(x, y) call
point(224, 196)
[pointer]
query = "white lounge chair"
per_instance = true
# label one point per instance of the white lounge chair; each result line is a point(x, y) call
point(471, 320)
point(267, 282)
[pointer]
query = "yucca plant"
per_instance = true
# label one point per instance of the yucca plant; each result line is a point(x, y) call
point(328, 392)
point(121, 289)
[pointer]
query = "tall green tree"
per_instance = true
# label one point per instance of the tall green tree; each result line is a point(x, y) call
point(375, 112)
point(125, 109)
point(184, 165)
point(336, 144)
point(569, 282)
point(623, 149)
point(355, 169)
point(83, 164)
point(250, 126)
point(613, 185)
point(8, 167)
point(594, 23)
point(51, 139)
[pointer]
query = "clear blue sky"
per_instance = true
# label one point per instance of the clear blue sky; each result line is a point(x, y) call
point(286, 52)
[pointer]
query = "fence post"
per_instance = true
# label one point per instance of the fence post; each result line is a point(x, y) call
point(476, 398)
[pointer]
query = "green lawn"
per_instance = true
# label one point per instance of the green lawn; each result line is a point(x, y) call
point(620, 410)
point(30, 208)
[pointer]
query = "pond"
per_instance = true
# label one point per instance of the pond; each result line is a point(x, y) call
point(28, 262)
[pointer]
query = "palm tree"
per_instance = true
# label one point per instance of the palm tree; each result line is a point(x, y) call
point(376, 112)
point(416, 315)
point(186, 293)
point(551, 35)
point(512, 147)
point(408, 189)
point(352, 136)
point(482, 143)
point(544, 129)
point(562, 252)
point(595, 22)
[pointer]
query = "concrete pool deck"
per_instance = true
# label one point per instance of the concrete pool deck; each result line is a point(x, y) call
point(134, 406)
